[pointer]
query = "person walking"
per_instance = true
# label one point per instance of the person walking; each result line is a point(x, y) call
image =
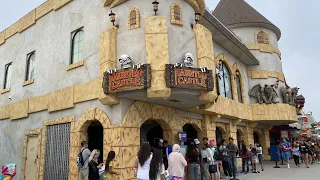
point(317, 151)
point(193, 160)
point(245, 155)
point(84, 156)
point(226, 159)
point(285, 149)
point(304, 150)
point(143, 160)
point(296, 154)
point(177, 163)
point(157, 169)
point(94, 166)
point(109, 172)
point(233, 152)
point(167, 149)
point(260, 155)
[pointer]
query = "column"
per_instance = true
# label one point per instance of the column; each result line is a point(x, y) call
point(209, 126)
point(265, 143)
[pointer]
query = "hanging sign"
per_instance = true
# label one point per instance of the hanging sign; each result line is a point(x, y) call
point(127, 79)
point(182, 136)
point(189, 78)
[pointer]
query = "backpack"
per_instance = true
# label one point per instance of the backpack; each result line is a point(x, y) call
point(80, 161)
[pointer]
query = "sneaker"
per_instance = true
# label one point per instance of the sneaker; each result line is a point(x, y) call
point(258, 171)
point(262, 170)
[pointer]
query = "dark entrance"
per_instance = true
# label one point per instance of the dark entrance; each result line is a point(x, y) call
point(192, 133)
point(218, 136)
point(239, 138)
point(256, 138)
point(95, 138)
point(151, 131)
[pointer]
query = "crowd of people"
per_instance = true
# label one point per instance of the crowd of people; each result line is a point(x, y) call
point(305, 151)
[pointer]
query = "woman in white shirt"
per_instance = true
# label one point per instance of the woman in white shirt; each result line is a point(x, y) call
point(207, 157)
point(260, 156)
point(144, 160)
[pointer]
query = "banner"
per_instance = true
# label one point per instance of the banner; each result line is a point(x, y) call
point(182, 136)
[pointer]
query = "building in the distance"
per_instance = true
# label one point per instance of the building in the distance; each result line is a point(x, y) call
point(119, 72)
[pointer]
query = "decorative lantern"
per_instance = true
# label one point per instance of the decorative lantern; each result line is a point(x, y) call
point(155, 6)
point(112, 17)
point(197, 17)
point(237, 73)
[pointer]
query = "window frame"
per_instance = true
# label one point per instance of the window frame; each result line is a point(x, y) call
point(29, 55)
point(239, 88)
point(221, 72)
point(6, 67)
point(73, 34)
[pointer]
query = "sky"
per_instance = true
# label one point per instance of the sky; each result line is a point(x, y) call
point(297, 20)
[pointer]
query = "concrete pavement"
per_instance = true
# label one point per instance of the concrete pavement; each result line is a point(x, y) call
point(283, 173)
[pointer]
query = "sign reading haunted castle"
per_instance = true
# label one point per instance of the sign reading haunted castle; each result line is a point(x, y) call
point(127, 79)
point(189, 78)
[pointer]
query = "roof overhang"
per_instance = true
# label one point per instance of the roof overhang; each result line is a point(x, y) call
point(225, 38)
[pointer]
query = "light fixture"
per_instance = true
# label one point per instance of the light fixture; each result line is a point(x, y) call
point(155, 6)
point(113, 18)
point(237, 72)
point(197, 17)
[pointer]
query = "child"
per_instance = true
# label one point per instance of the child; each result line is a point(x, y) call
point(254, 156)
point(296, 154)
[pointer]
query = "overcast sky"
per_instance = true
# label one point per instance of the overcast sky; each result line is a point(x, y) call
point(299, 24)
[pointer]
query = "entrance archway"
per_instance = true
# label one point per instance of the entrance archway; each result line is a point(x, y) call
point(95, 138)
point(152, 132)
point(192, 133)
point(256, 137)
point(218, 136)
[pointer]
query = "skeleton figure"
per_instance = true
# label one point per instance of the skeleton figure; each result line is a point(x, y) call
point(290, 95)
point(125, 61)
point(188, 60)
point(266, 94)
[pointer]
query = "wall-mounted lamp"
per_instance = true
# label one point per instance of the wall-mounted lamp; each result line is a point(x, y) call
point(196, 18)
point(155, 4)
point(237, 73)
point(113, 19)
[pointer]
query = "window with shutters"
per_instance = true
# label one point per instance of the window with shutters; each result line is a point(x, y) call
point(133, 19)
point(176, 14)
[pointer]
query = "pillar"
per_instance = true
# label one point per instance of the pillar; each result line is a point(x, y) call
point(157, 55)
point(205, 56)
point(108, 53)
point(209, 126)
point(248, 134)
point(265, 143)
point(231, 128)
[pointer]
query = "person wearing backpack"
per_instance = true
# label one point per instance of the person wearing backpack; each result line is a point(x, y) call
point(83, 161)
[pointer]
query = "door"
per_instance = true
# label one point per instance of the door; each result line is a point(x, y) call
point(31, 158)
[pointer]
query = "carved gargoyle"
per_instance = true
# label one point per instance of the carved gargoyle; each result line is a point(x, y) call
point(266, 94)
point(125, 61)
point(290, 95)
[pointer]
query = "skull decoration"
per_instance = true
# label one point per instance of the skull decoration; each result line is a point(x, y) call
point(188, 60)
point(125, 61)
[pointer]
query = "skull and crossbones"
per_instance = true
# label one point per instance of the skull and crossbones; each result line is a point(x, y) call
point(188, 60)
point(125, 61)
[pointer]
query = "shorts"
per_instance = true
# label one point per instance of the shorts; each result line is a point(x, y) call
point(260, 157)
point(286, 155)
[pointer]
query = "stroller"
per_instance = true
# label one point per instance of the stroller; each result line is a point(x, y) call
point(8, 172)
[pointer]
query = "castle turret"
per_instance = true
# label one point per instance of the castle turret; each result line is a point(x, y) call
point(261, 38)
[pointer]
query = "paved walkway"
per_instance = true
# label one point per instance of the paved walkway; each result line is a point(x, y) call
point(283, 173)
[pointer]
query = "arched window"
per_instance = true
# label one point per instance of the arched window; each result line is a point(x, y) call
point(239, 90)
point(176, 11)
point(262, 38)
point(133, 16)
point(133, 19)
point(77, 46)
point(176, 14)
point(225, 87)
point(7, 76)
point(30, 66)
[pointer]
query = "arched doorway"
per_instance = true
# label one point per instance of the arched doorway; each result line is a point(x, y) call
point(95, 138)
point(256, 137)
point(192, 133)
point(218, 136)
point(152, 132)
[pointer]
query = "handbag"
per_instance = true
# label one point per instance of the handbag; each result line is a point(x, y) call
point(213, 168)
